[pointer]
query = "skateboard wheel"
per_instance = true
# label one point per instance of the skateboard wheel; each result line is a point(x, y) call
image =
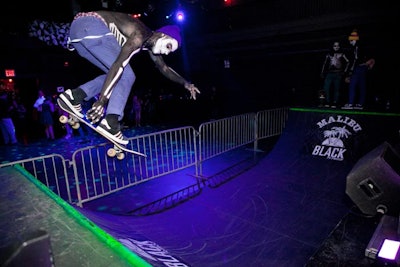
point(120, 156)
point(111, 152)
point(63, 119)
point(76, 125)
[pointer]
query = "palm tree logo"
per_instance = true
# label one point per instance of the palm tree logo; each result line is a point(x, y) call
point(334, 136)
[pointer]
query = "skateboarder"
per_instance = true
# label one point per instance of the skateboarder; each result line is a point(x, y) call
point(109, 40)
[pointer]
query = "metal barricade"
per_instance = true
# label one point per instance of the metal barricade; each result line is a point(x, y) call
point(51, 170)
point(92, 174)
point(219, 136)
point(269, 123)
point(97, 175)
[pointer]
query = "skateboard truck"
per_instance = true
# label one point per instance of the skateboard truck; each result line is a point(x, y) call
point(70, 120)
point(118, 149)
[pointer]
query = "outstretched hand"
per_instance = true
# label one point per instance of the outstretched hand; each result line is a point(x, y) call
point(96, 112)
point(192, 89)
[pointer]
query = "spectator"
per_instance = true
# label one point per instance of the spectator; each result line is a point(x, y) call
point(19, 117)
point(46, 110)
point(360, 64)
point(39, 101)
point(137, 110)
point(334, 67)
point(6, 122)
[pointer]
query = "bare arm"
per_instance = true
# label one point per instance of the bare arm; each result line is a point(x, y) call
point(172, 75)
point(165, 70)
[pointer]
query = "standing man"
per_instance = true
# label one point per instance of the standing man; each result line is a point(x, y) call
point(333, 69)
point(6, 123)
point(360, 64)
point(109, 40)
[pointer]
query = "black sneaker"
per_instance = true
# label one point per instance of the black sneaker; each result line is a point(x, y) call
point(114, 134)
point(70, 101)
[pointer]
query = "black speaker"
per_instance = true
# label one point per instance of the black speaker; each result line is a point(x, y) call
point(373, 184)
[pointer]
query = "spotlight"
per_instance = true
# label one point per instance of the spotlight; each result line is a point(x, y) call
point(227, 2)
point(179, 16)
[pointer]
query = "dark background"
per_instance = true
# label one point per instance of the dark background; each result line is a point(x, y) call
point(275, 50)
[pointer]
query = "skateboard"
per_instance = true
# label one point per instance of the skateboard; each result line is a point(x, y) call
point(73, 120)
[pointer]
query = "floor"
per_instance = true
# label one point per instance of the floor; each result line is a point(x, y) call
point(285, 205)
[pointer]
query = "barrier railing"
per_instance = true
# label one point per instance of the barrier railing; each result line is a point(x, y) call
point(219, 136)
point(91, 174)
point(269, 123)
point(98, 175)
point(51, 170)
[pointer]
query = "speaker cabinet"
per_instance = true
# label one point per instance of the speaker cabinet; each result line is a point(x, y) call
point(373, 184)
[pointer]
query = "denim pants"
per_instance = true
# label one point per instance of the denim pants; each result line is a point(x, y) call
point(8, 131)
point(358, 85)
point(101, 51)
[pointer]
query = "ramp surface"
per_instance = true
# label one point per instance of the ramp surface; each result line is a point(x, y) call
point(271, 209)
point(276, 213)
point(37, 231)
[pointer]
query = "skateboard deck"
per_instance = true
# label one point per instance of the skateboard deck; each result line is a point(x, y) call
point(118, 149)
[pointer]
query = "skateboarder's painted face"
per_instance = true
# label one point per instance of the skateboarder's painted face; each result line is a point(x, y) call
point(165, 45)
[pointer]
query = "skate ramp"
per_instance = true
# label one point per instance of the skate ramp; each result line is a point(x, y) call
point(275, 210)
point(276, 213)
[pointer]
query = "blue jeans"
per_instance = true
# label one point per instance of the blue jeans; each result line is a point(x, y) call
point(102, 52)
point(358, 81)
point(8, 130)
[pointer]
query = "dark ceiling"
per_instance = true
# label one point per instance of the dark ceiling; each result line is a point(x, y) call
point(234, 25)
point(16, 13)
point(218, 29)
point(203, 16)
point(278, 41)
